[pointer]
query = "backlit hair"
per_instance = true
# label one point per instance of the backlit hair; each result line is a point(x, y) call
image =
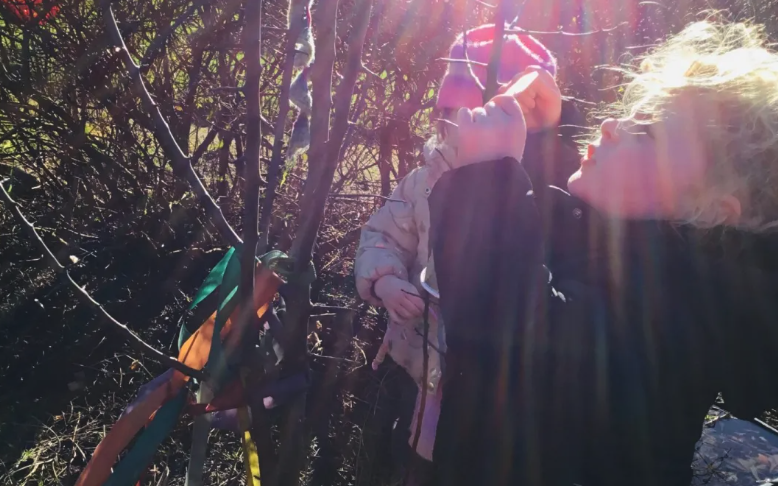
point(734, 75)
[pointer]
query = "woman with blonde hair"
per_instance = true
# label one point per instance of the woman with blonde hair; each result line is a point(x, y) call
point(610, 317)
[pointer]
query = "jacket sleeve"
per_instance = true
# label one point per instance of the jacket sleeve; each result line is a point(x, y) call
point(487, 247)
point(390, 239)
point(747, 333)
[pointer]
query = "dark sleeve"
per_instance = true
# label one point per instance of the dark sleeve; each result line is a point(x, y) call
point(747, 327)
point(487, 246)
point(552, 156)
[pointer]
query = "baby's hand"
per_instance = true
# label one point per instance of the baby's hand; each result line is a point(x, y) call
point(400, 298)
point(540, 99)
point(493, 132)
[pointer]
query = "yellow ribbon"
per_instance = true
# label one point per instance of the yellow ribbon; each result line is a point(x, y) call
point(250, 455)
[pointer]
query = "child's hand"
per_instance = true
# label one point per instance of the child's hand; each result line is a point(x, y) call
point(495, 131)
point(400, 298)
point(540, 101)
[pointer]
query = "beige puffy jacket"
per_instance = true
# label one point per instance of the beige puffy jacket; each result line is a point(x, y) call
point(394, 242)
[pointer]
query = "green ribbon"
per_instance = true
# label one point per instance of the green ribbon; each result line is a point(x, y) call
point(214, 278)
point(275, 260)
point(283, 265)
point(228, 301)
point(130, 468)
point(225, 277)
point(210, 284)
point(200, 432)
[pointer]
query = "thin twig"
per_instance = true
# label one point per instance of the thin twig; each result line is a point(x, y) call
point(655, 4)
point(576, 100)
point(561, 32)
point(181, 163)
point(443, 157)
point(715, 419)
point(336, 358)
point(448, 122)
point(334, 309)
point(435, 348)
point(425, 360)
point(490, 88)
point(227, 89)
point(518, 15)
point(162, 37)
point(207, 141)
point(368, 71)
point(424, 298)
point(462, 61)
point(349, 196)
point(134, 339)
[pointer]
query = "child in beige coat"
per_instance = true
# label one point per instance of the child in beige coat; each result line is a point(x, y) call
point(393, 247)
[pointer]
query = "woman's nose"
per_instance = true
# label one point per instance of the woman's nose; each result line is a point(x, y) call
point(608, 128)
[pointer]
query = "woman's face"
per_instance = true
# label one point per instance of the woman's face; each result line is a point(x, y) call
point(641, 171)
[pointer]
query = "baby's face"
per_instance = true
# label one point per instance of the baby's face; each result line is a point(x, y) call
point(644, 171)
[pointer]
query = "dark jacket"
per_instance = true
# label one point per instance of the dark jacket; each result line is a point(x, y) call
point(602, 343)
point(551, 156)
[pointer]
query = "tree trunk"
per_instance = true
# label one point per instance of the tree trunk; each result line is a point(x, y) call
point(277, 158)
point(326, 153)
point(252, 39)
point(385, 161)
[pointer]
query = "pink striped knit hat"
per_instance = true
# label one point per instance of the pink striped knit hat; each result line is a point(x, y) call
point(459, 89)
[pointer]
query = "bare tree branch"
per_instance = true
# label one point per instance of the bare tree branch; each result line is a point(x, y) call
point(227, 89)
point(252, 38)
point(577, 100)
point(368, 71)
point(161, 38)
point(519, 30)
point(494, 60)
point(277, 158)
point(358, 196)
point(462, 61)
point(252, 48)
point(207, 141)
point(182, 165)
point(321, 175)
point(133, 338)
point(325, 152)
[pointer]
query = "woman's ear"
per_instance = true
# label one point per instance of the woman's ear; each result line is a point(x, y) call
point(720, 210)
point(729, 210)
